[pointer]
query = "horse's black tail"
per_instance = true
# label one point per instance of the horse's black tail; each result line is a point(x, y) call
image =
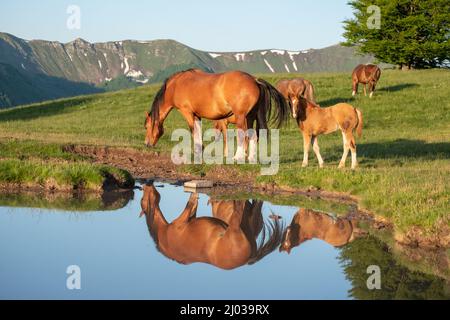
point(266, 95)
point(275, 232)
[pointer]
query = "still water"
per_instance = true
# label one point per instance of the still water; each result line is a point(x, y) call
point(126, 250)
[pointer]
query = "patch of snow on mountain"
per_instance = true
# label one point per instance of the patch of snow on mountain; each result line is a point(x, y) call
point(263, 53)
point(142, 81)
point(239, 57)
point(215, 55)
point(287, 68)
point(281, 52)
point(100, 64)
point(134, 74)
point(127, 66)
point(292, 54)
point(269, 66)
point(295, 65)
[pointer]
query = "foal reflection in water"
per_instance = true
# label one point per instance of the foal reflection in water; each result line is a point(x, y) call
point(227, 240)
point(309, 224)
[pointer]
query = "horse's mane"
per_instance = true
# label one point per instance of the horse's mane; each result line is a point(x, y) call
point(274, 232)
point(159, 98)
point(307, 102)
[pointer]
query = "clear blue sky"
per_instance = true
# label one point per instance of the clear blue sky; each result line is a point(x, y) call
point(226, 25)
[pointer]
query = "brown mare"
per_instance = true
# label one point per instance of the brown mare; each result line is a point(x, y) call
point(314, 121)
point(197, 94)
point(227, 240)
point(366, 74)
point(308, 224)
point(293, 89)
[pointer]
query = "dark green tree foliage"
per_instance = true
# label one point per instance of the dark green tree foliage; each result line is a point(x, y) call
point(119, 83)
point(412, 33)
point(397, 282)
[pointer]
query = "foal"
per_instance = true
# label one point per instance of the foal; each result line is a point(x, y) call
point(314, 121)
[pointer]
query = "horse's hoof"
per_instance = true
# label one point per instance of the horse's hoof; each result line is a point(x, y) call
point(341, 166)
point(252, 160)
point(304, 165)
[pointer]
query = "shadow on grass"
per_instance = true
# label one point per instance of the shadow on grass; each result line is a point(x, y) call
point(398, 87)
point(417, 149)
point(45, 110)
point(369, 152)
point(333, 101)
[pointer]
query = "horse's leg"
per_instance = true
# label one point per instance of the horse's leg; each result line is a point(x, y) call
point(355, 87)
point(316, 149)
point(190, 210)
point(346, 150)
point(372, 89)
point(252, 141)
point(241, 125)
point(352, 143)
point(306, 145)
point(221, 127)
point(197, 134)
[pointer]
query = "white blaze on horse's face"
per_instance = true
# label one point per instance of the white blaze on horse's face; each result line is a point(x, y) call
point(294, 107)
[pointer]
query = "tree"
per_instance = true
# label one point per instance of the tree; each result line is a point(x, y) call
point(412, 33)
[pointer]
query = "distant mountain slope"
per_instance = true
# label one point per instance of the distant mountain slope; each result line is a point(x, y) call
point(144, 61)
point(18, 88)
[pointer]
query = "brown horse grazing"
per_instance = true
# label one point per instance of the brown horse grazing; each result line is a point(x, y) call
point(308, 224)
point(293, 89)
point(314, 121)
point(226, 244)
point(198, 95)
point(366, 74)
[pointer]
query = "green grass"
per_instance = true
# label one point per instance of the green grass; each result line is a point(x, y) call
point(404, 153)
point(63, 176)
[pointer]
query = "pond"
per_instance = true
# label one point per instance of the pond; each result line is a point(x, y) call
point(128, 248)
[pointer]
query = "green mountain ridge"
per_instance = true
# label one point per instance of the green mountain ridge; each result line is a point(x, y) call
point(143, 61)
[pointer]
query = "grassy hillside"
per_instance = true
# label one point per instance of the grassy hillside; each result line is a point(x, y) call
point(404, 153)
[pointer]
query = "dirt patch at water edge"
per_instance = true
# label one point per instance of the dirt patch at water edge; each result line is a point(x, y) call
point(158, 166)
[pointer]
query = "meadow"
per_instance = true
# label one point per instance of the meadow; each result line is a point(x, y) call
point(404, 166)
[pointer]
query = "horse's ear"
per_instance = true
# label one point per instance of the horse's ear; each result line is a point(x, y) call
point(147, 114)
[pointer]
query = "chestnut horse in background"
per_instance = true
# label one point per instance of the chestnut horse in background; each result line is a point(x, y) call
point(314, 121)
point(366, 74)
point(309, 224)
point(197, 94)
point(228, 240)
point(293, 89)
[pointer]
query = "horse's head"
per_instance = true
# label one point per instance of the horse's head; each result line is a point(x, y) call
point(290, 238)
point(294, 103)
point(150, 199)
point(154, 130)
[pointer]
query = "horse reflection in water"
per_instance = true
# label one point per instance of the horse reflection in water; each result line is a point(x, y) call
point(309, 224)
point(227, 240)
